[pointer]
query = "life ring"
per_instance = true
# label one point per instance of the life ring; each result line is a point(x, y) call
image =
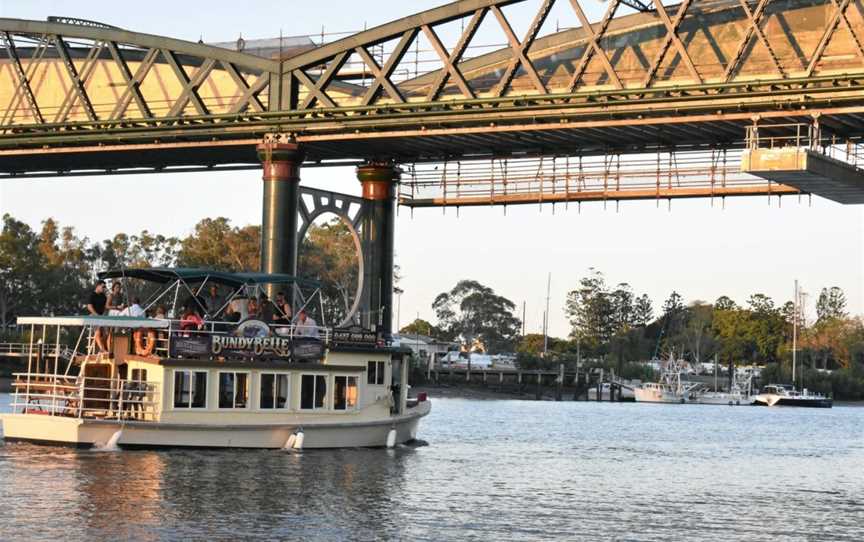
point(144, 347)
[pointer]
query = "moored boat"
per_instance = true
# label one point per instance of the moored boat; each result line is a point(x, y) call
point(671, 388)
point(141, 382)
point(785, 395)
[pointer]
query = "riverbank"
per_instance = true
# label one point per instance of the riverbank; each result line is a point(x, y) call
point(464, 392)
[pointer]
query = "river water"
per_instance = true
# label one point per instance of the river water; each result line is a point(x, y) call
point(492, 470)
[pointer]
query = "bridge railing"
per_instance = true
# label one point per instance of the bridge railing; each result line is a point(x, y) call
point(810, 135)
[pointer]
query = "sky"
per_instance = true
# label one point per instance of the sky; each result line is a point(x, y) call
point(702, 252)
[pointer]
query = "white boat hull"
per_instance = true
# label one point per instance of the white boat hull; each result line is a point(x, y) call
point(644, 395)
point(87, 433)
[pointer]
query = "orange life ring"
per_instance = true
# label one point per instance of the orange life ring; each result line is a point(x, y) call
point(144, 347)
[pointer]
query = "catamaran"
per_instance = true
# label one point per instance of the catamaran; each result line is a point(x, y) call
point(137, 382)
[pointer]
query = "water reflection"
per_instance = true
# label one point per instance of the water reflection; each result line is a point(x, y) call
point(492, 470)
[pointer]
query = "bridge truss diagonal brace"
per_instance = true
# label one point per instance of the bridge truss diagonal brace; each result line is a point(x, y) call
point(23, 81)
point(247, 98)
point(593, 46)
point(78, 83)
point(672, 38)
point(520, 49)
point(830, 29)
point(754, 18)
point(451, 60)
point(133, 82)
point(382, 74)
point(317, 90)
point(190, 85)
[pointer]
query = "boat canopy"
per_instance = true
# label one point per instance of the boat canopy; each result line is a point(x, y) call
point(164, 275)
point(116, 322)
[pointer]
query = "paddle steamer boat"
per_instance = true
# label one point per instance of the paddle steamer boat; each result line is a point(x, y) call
point(143, 382)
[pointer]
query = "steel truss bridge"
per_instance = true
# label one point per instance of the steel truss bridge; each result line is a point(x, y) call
point(709, 98)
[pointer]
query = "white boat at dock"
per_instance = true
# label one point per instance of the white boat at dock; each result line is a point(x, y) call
point(145, 383)
point(671, 388)
point(739, 393)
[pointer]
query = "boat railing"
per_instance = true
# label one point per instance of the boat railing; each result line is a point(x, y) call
point(84, 397)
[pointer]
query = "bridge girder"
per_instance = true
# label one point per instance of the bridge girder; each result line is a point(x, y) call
point(642, 80)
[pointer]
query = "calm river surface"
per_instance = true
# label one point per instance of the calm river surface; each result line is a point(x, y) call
point(492, 470)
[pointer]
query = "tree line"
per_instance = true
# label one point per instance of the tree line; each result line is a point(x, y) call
point(613, 326)
point(50, 269)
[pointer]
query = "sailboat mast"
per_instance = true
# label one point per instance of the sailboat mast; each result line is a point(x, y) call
point(795, 332)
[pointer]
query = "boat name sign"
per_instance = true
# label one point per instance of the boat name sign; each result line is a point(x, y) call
point(257, 345)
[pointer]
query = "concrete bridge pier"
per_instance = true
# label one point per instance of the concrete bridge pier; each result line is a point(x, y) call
point(379, 182)
point(281, 164)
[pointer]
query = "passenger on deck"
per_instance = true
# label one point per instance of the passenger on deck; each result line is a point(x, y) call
point(97, 302)
point(265, 308)
point(115, 303)
point(160, 313)
point(253, 311)
point(213, 302)
point(135, 309)
point(306, 326)
point(191, 320)
point(283, 310)
point(96, 307)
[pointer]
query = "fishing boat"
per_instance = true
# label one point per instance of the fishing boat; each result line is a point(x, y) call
point(138, 382)
point(671, 388)
point(785, 395)
point(739, 393)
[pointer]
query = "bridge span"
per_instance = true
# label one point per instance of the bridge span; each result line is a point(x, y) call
point(651, 100)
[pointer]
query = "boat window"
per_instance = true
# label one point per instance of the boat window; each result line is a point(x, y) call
point(313, 391)
point(375, 373)
point(345, 393)
point(233, 390)
point(138, 375)
point(190, 389)
point(274, 390)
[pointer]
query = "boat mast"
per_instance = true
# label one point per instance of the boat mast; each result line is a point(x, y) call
point(794, 331)
point(546, 316)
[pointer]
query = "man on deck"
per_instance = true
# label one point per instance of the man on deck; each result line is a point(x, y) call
point(306, 326)
point(98, 300)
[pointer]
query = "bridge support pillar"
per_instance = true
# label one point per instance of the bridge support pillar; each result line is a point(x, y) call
point(281, 162)
point(379, 218)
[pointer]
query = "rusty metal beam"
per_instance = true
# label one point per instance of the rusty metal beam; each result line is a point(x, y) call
point(573, 196)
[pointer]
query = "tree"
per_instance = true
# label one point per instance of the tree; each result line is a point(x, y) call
point(724, 303)
point(591, 311)
point(731, 327)
point(643, 312)
point(698, 333)
point(215, 244)
point(328, 254)
point(831, 304)
point(20, 264)
point(420, 327)
point(474, 313)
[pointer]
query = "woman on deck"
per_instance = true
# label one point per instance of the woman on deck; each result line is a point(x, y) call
point(115, 304)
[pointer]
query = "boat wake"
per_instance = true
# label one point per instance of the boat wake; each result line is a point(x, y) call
point(111, 445)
